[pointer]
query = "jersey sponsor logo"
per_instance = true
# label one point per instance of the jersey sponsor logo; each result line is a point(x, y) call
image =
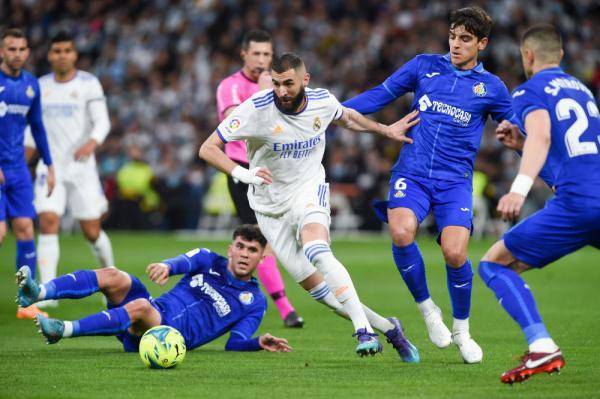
point(59, 110)
point(297, 149)
point(432, 74)
point(479, 89)
point(556, 84)
point(317, 124)
point(13, 109)
point(246, 297)
point(518, 93)
point(30, 92)
point(234, 124)
point(219, 303)
point(458, 115)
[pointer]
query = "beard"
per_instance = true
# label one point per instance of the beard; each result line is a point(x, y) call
point(294, 104)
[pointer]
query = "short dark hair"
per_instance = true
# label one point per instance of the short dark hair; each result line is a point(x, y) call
point(285, 62)
point(255, 35)
point(250, 232)
point(62, 36)
point(13, 32)
point(474, 19)
point(546, 41)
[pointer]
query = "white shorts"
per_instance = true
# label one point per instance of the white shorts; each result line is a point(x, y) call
point(81, 191)
point(283, 232)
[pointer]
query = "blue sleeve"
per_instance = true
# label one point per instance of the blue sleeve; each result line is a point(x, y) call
point(240, 338)
point(34, 118)
point(402, 81)
point(193, 261)
point(501, 108)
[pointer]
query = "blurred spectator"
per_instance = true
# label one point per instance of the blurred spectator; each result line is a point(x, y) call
point(160, 62)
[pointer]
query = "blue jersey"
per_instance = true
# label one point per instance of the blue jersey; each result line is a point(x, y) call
point(20, 105)
point(208, 301)
point(454, 106)
point(574, 156)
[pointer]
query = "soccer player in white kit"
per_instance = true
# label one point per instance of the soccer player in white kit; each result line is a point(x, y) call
point(75, 114)
point(284, 129)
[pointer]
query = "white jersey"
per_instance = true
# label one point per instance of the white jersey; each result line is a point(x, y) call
point(73, 112)
point(291, 146)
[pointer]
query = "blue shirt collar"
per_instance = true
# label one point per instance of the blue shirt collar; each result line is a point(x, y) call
point(550, 70)
point(236, 282)
point(478, 68)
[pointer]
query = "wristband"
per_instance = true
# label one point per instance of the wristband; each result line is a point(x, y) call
point(521, 185)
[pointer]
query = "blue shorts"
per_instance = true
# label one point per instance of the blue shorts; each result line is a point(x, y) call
point(450, 201)
point(138, 290)
point(16, 194)
point(552, 233)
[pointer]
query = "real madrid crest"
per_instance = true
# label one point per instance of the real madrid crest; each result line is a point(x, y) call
point(479, 89)
point(30, 92)
point(317, 124)
point(246, 297)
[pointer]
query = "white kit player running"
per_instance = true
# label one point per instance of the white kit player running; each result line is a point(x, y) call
point(284, 129)
point(76, 118)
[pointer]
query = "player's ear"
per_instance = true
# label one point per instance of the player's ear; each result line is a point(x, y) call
point(482, 44)
point(306, 79)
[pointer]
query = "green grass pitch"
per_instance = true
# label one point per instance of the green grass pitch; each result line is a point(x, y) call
point(323, 363)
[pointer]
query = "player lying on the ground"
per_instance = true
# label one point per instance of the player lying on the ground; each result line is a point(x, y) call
point(284, 129)
point(215, 295)
point(562, 123)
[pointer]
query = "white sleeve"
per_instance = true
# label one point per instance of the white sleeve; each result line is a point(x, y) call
point(98, 111)
point(29, 141)
point(336, 107)
point(240, 124)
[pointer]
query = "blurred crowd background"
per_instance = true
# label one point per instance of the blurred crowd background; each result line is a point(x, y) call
point(160, 62)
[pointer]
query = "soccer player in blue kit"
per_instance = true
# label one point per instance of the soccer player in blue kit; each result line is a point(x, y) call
point(562, 122)
point(19, 105)
point(455, 96)
point(215, 295)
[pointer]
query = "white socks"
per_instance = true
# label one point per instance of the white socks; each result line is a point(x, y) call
point(426, 307)
point(68, 331)
point(48, 254)
point(544, 345)
point(460, 326)
point(103, 250)
point(323, 294)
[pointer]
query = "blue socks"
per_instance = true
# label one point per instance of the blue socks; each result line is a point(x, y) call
point(26, 256)
point(412, 269)
point(460, 282)
point(74, 285)
point(515, 297)
point(107, 322)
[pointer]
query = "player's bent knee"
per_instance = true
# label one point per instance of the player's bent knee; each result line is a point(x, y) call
point(402, 235)
point(23, 229)
point(112, 279)
point(454, 257)
point(138, 309)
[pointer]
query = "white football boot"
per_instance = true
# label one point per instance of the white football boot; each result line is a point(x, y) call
point(469, 350)
point(439, 334)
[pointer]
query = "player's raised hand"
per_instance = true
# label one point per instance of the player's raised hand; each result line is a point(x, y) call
point(398, 130)
point(256, 176)
point(158, 273)
point(86, 150)
point(50, 180)
point(274, 344)
point(509, 134)
point(510, 205)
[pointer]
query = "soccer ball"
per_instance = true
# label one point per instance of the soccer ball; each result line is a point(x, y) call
point(162, 347)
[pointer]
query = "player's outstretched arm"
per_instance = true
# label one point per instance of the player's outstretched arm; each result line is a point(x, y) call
point(353, 120)
point(212, 152)
point(535, 152)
